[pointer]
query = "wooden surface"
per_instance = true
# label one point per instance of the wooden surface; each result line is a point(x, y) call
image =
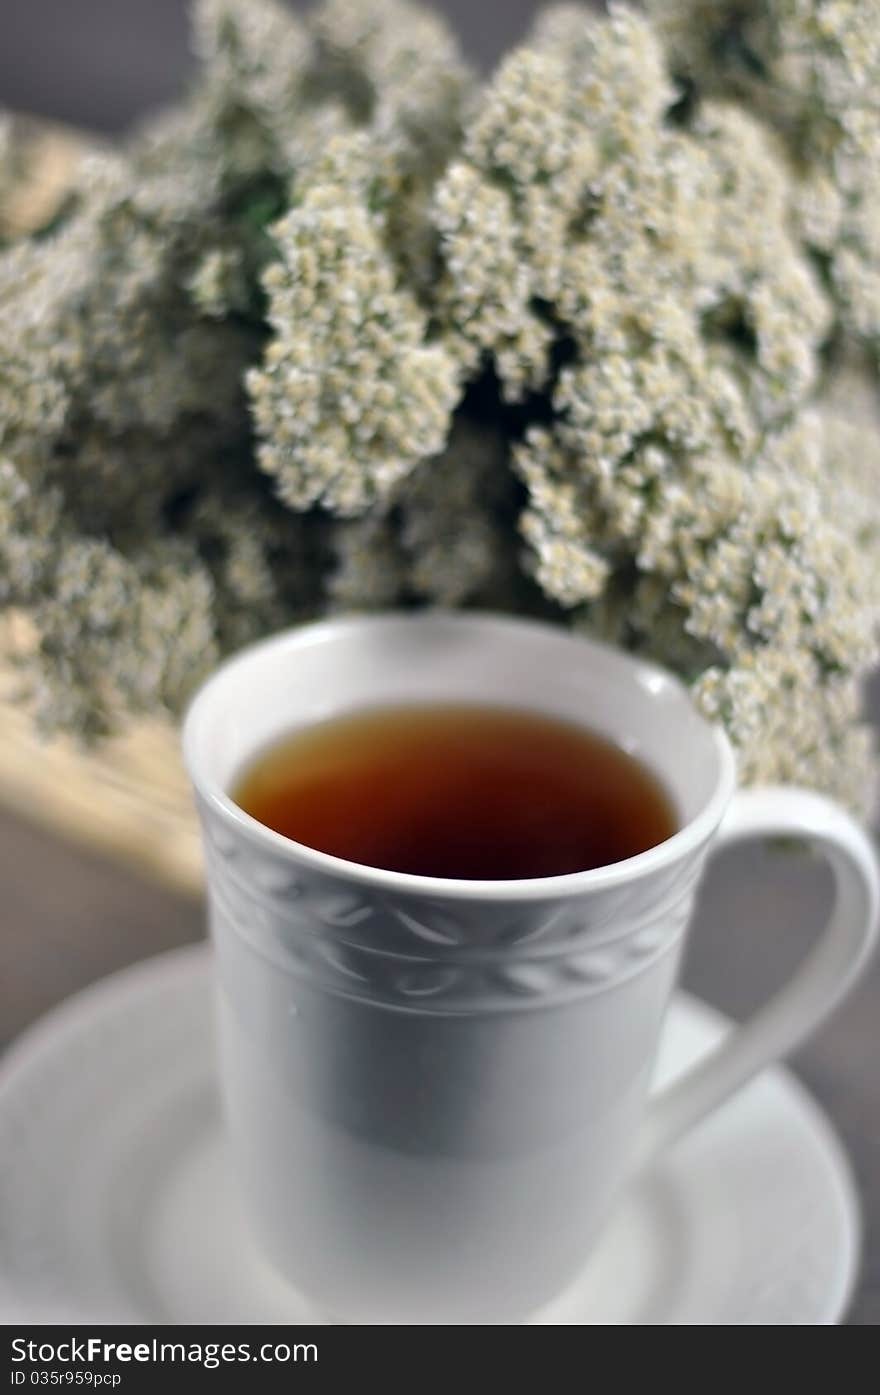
point(70, 915)
point(128, 797)
point(47, 157)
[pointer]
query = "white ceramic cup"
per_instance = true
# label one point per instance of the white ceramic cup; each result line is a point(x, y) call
point(434, 1088)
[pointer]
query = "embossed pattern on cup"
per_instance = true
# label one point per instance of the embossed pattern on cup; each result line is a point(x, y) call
point(396, 947)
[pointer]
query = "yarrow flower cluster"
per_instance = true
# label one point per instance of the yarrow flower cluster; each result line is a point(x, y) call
point(595, 339)
point(809, 69)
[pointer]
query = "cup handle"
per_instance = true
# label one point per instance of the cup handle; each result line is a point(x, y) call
point(824, 977)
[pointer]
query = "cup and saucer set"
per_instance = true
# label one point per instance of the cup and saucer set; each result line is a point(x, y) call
point(388, 1098)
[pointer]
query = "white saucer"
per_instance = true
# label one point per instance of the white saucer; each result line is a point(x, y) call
point(116, 1204)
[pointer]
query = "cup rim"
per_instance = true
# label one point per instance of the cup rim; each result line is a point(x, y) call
point(690, 836)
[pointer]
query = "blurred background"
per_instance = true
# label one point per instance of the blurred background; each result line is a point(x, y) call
point(101, 63)
point(72, 911)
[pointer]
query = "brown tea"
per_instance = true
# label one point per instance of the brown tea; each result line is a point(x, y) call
point(458, 791)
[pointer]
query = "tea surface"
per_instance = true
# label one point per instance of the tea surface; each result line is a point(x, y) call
point(460, 791)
